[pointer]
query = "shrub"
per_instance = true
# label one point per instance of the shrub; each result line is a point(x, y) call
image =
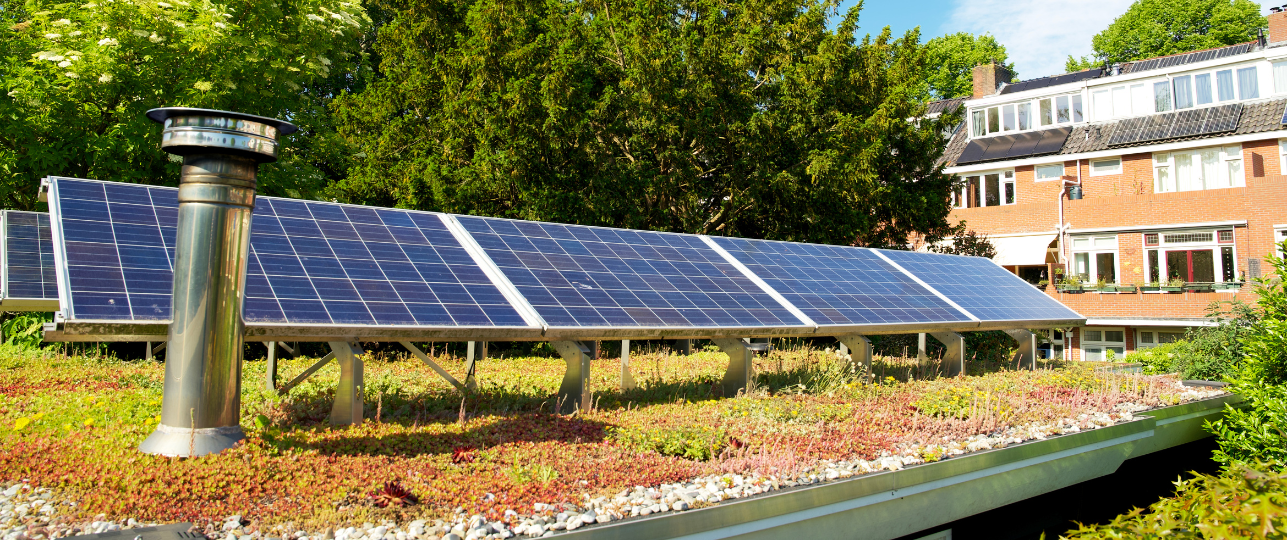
point(1253, 432)
point(1241, 503)
point(25, 329)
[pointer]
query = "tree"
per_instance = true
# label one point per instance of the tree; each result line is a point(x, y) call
point(1151, 28)
point(952, 59)
point(700, 116)
point(78, 78)
point(960, 240)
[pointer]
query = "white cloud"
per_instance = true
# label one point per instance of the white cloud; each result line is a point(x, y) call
point(1040, 34)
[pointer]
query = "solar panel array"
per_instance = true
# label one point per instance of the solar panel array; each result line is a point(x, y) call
point(840, 285)
point(309, 262)
point(29, 274)
point(1033, 143)
point(1187, 58)
point(325, 266)
point(979, 286)
point(1056, 80)
point(590, 276)
point(1174, 125)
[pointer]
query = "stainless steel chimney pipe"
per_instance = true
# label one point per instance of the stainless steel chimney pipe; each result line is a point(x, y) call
point(201, 404)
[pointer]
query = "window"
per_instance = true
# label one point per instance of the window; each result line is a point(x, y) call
point(1152, 338)
point(1095, 258)
point(977, 121)
point(1248, 85)
point(1007, 118)
point(1198, 169)
point(1280, 235)
point(1026, 115)
point(1282, 155)
point(1053, 171)
point(1101, 167)
point(1096, 344)
point(1201, 256)
point(1140, 101)
point(988, 189)
point(1202, 87)
point(1224, 84)
point(1280, 77)
point(1183, 92)
point(1161, 96)
point(1047, 112)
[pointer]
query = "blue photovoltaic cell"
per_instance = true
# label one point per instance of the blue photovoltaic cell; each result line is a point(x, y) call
point(988, 291)
point(840, 285)
point(29, 256)
point(309, 262)
point(592, 277)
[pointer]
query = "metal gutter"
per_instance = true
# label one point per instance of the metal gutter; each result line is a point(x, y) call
point(897, 503)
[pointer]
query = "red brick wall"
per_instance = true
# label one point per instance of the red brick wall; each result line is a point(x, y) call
point(1277, 27)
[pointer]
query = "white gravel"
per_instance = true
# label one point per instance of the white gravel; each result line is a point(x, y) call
point(32, 513)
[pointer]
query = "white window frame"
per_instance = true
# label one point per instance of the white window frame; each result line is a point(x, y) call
point(1278, 69)
point(1214, 245)
point(1154, 336)
point(1280, 234)
point(1037, 178)
point(1117, 170)
point(1101, 346)
point(1034, 115)
point(1006, 177)
point(1096, 245)
point(1164, 163)
point(1282, 156)
point(1102, 97)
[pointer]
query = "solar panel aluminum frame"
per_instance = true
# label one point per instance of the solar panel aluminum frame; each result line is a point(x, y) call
point(8, 303)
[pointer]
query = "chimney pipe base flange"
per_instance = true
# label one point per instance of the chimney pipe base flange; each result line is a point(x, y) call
point(173, 441)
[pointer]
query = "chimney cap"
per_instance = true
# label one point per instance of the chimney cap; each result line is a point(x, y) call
point(1275, 9)
point(190, 131)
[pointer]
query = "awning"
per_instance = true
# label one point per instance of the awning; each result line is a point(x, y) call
point(1022, 250)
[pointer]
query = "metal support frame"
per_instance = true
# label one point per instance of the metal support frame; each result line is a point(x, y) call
point(954, 359)
point(1026, 355)
point(415, 351)
point(921, 354)
point(574, 393)
point(348, 395)
point(286, 388)
point(270, 377)
point(476, 352)
point(627, 380)
point(741, 366)
point(858, 349)
point(684, 346)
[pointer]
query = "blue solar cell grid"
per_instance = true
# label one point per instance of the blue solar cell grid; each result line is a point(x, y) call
point(309, 262)
point(578, 276)
point(29, 256)
point(981, 287)
point(840, 285)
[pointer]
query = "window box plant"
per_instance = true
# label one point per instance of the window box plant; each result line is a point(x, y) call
point(1227, 286)
point(1197, 287)
point(1151, 286)
point(1105, 287)
point(1173, 286)
point(1043, 284)
point(1070, 284)
point(1126, 288)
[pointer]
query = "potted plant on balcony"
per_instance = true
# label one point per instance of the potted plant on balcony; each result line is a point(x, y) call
point(1227, 286)
point(1043, 284)
point(1070, 284)
point(1104, 286)
point(1151, 286)
point(1197, 287)
point(1127, 288)
point(1174, 285)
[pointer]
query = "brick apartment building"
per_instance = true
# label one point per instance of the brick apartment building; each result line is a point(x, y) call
point(1165, 174)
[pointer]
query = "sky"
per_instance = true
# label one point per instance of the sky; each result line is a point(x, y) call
point(1038, 34)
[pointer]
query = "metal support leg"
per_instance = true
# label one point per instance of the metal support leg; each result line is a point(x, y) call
point(684, 346)
point(147, 351)
point(627, 380)
point(574, 393)
point(859, 351)
point(432, 365)
point(921, 355)
point(1026, 356)
point(271, 376)
point(954, 358)
point(471, 362)
point(348, 396)
point(741, 366)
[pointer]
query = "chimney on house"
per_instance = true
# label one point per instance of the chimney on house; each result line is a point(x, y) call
point(988, 78)
point(1277, 25)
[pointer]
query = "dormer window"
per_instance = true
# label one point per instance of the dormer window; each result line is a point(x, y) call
point(1177, 92)
point(1020, 116)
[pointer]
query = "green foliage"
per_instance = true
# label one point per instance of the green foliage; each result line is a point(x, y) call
point(748, 118)
point(1265, 342)
point(959, 402)
point(1152, 28)
point(961, 241)
point(24, 330)
point(698, 443)
point(1242, 503)
point(1072, 64)
point(1212, 353)
point(952, 59)
point(1254, 431)
point(77, 78)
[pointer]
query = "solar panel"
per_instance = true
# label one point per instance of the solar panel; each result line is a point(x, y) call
point(1056, 80)
point(29, 276)
point(1222, 118)
point(1176, 125)
point(998, 147)
point(840, 285)
point(978, 147)
point(981, 287)
point(1188, 58)
point(1033, 143)
point(580, 276)
point(1188, 123)
point(1025, 144)
point(309, 262)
